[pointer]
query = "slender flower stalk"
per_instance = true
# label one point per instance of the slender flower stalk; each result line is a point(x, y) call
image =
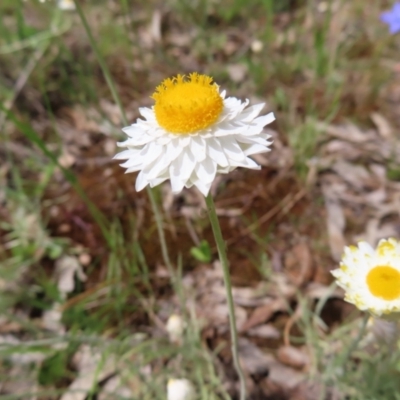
point(160, 229)
point(228, 288)
point(346, 356)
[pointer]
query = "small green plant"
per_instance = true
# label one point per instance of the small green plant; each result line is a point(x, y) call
point(202, 252)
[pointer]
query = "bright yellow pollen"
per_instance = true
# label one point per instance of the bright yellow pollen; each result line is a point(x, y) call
point(186, 105)
point(384, 282)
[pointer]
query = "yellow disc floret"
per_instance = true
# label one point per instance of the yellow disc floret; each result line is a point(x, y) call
point(187, 105)
point(384, 282)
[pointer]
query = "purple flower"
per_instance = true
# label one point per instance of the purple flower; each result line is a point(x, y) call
point(392, 18)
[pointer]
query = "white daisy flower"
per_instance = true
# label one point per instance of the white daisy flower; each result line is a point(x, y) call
point(192, 133)
point(180, 389)
point(371, 277)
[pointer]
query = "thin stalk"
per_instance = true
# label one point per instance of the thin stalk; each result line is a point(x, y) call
point(228, 287)
point(159, 222)
point(355, 342)
point(117, 100)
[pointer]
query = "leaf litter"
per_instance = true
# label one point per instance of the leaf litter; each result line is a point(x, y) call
point(353, 171)
point(351, 190)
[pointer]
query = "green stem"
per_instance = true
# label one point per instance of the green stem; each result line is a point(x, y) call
point(117, 100)
point(228, 287)
point(355, 342)
point(159, 222)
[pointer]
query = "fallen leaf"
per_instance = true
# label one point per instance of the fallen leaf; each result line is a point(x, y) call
point(265, 331)
point(254, 360)
point(356, 175)
point(382, 124)
point(66, 268)
point(299, 264)
point(263, 314)
point(293, 357)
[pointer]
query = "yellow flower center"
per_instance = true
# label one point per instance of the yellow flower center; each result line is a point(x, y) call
point(384, 282)
point(186, 105)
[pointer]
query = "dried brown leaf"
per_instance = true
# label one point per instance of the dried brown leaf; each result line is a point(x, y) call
point(299, 263)
point(265, 331)
point(293, 356)
point(253, 359)
point(383, 125)
point(263, 314)
point(335, 222)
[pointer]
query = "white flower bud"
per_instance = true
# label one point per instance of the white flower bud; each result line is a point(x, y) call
point(175, 327)
point(180, 389)
point(256, 46)
point(66, 5)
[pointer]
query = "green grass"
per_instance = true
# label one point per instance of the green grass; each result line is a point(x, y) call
point(314, 67)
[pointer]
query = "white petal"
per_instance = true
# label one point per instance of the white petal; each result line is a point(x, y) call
point(229, 128)
point(172, 150)
point(132, 162)
point(123, 155)
point(158, 181)
point(216, 152)
point(265, 119)
point(249, 163)
point(206, 171)
point(151, 152)
point(141, 182)
point(254, 149)
point(156, 168)
point(233, 106)
point(183, 166)
point(184, 140)
point(251, 112)
point(134, 168)
point(163, 140)
point(245, 163)
point(204, 187)
point(198, 147)
point(148, 113)
point(253, 139)
point(225, 170)
point(177, 183)
point(366, 248)
point(231, 148)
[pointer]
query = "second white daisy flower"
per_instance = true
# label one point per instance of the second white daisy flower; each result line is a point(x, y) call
point(192, 133)
point(371, 277)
